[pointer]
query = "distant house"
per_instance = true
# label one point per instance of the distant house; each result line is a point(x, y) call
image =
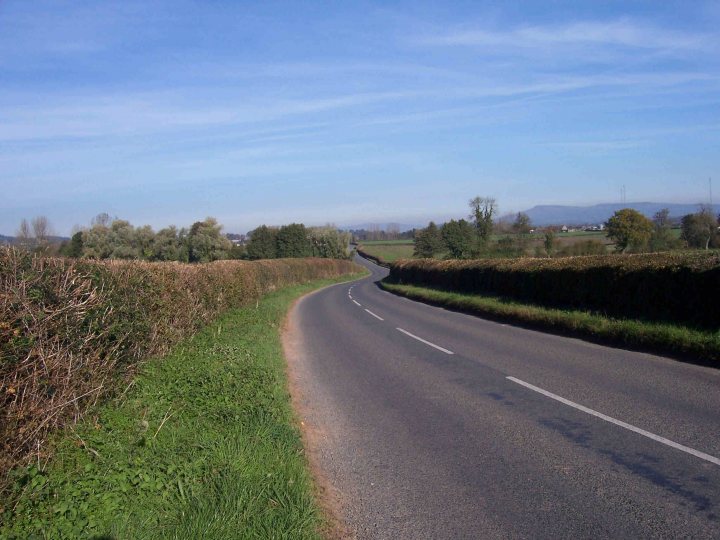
point(564, 228)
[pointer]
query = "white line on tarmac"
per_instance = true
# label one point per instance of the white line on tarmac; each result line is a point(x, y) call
point(663, 440)
point(376, 316)
point(424, 341)
point(357, 303)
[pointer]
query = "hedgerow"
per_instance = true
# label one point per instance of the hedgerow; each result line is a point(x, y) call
point(72, 330)
point(670, 287)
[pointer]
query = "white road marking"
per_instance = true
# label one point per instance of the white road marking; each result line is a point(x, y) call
point(376, 316)
point(424, 341)
point(357, 303)
point(663, 440)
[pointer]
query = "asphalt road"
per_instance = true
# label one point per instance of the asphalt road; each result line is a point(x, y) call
point(484, 430)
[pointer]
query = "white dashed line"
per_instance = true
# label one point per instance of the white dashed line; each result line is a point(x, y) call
point(376, 316)
point(357, 303)
point(424, 341)
point(658, 438)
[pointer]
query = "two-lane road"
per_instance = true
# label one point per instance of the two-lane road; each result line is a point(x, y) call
point(436, 424)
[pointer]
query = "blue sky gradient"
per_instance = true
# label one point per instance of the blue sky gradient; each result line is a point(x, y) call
point(272, 112)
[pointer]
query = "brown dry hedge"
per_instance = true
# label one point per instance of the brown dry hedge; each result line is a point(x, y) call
point(679, 287)
point(72, 330)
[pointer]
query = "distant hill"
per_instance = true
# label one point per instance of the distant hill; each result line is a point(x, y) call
point(9, 240)
point(381, 227)
point(600, 213)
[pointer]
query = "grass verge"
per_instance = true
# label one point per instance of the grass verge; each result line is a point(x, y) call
point(689, 344)
point(202, 445)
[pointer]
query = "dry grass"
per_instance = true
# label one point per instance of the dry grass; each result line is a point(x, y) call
point(71, 331)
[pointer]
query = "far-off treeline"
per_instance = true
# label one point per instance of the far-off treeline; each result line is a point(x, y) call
point(204, 241)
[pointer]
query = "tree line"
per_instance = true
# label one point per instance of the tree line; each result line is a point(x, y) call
point(629, 229)
point(296, 240)
point(633, 232)
point(113, 238)
point(460, 239)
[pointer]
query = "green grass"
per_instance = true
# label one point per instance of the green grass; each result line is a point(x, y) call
point(686, 343)
point(202, 445)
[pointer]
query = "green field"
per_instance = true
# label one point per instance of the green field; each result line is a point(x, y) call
point(202, 445)
point(390, 250)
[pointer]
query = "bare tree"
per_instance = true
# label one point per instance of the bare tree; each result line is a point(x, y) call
point(41, 230)
point(393, 231)
point(103, 220)
point(24, 235)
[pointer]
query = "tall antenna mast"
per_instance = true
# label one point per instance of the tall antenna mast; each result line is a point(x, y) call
point(710, 192)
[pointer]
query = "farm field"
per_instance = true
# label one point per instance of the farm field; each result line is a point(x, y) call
point(393, 250)
point(389, 250)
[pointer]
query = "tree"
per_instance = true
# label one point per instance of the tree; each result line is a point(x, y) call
point(428, 241)
point(144, 241)
point(662, 238)
point(629, 229)
point(205, 242)
point(74, 248)
point(41, 230)
point(328, 242)
point(122, 240)
point(699, 229)
point(96, 242)
point(263, 243)
point(23, 234)
point(458, 237)
point(482, 211)
point(168, 246)
point(237, 252)
point(103, 219)
point(522, 223)
point(293, 241)
point(549, 242)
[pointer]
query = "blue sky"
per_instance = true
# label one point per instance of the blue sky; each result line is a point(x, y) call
point(271, 112)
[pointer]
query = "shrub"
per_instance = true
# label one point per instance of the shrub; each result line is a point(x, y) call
point(672, 287)
point(586, 247)
point(70, 330)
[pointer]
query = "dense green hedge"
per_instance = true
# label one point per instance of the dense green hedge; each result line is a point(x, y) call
point(674, 287)
point(70, 330)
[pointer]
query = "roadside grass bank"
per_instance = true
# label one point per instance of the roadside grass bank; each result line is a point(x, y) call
point(203, 444)
point(684, 343)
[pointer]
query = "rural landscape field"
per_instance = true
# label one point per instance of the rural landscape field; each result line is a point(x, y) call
point(359, 270)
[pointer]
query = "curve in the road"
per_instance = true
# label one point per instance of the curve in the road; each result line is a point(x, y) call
point(436, 424)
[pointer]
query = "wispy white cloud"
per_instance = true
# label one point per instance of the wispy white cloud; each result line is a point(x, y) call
point(158, 112)
point(534, 38)
point(149, 112)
